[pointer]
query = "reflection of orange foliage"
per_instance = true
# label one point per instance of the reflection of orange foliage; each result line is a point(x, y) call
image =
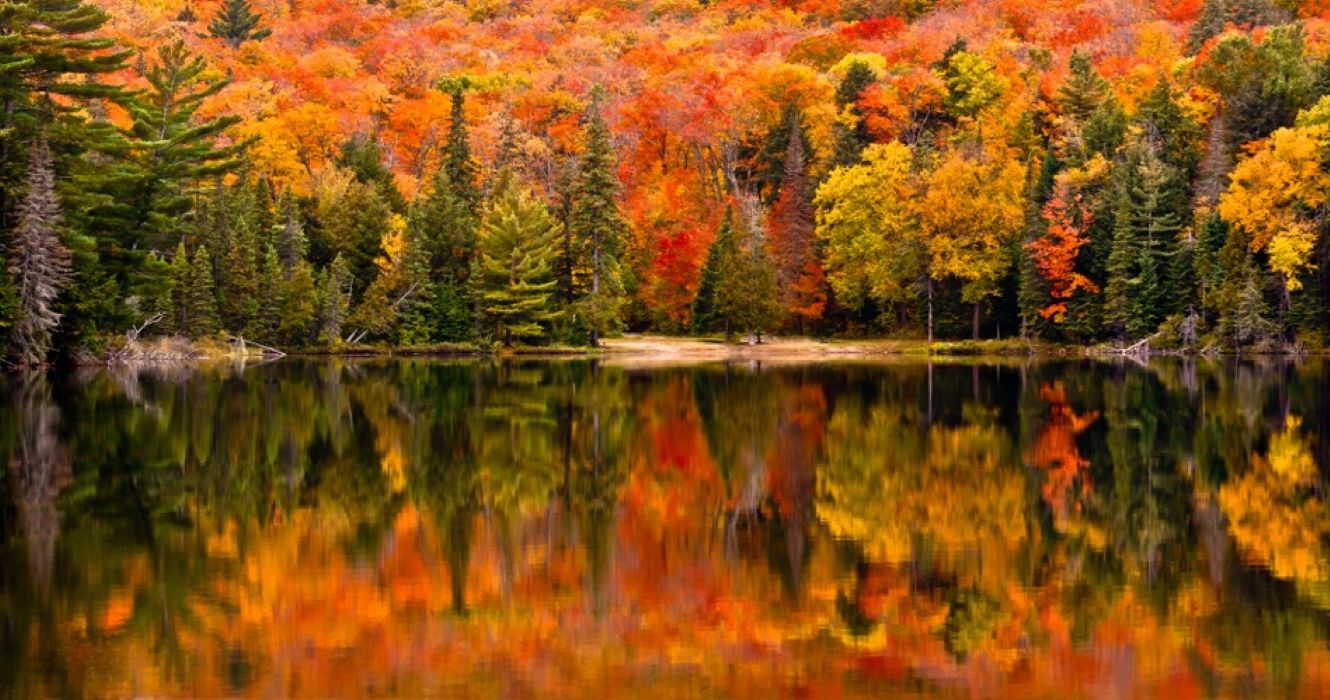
point(1055, 451)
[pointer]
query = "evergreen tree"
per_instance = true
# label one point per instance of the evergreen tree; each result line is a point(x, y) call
point(852, 135)
point(292, 245)
point(771, 160)
point(362, 155)
point(297, 303)
point(747, 296)
point(706, 315)
point(236, 22)
point(336, 297)
point(512, 277)
point(1122, 259)
point(1173, 133)
point(1032, 290)
point(356, 223)
point(267, 318)
point(202, 303)
point(793, 245)
point(169, 152)
point(458, 163)
point(446, 228)
point(599, 230)
point(240, 286)
point(38, 260)
point(179, 318)
point(1149, 297)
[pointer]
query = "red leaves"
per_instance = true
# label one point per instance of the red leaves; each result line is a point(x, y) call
point(1055, 252)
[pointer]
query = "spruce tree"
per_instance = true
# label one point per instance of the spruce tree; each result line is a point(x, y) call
point(458, 163)
point(336, 298)
point(1149, 296)
point(512, 277)
point(236, 22)
point(792, 243)
point(706, 314)
point(240, 285)
point(38, 260)
point(202, 303)
point(362, 155)
point(1122, 260)
point(852, 138)
point(179, 318)
point(292, 245)
point(598, 229)
point(298, 305)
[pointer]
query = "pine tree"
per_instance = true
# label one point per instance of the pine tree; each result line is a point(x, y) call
point(202, 302)
point(292, 245)
point(362, 155)
point(298, 305)
point(1032, 290)
point(1122, 260)
point(1149, 296)
point(38, 260)
point(512, 277)
point(792, 241)
point(771, 160)
point(268, 317)
point(446, 228)
point(170, 152)
point(236, 22)
point(458, 163)
point(747, 296)
point(852, 135)
point(356, 224)
point(598, 229)
point(706, 314)
point(336, 298)
point(179, 319)
point(240, 285)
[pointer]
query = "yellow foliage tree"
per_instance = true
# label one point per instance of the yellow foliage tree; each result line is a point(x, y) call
point(1273, 193)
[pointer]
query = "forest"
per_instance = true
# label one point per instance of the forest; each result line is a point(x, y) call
point(327, 174)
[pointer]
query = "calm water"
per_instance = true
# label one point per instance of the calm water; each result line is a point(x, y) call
point(429, 528)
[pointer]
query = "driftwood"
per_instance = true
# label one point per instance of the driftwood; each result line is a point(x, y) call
point(267, 350)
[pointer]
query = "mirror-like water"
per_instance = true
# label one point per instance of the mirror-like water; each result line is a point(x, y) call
point(426, 528)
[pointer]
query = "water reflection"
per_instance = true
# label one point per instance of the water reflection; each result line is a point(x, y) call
point(418, 527)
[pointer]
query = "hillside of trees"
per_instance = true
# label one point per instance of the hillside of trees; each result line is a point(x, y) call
point(319, 173)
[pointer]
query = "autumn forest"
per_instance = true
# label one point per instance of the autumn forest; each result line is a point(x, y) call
point(317, 174)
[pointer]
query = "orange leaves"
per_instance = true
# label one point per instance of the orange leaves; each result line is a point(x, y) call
point(1055, 451)
point(1054, 253)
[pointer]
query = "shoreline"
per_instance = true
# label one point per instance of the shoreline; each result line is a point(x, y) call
point(650, 350)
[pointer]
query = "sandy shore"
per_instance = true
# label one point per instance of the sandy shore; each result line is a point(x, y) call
point(657, 349)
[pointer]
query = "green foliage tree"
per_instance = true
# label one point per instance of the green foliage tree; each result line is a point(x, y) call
point(598, 229)
point(236, 22)
point(512, 276)
point(747, 297)
point(201, 315)
point(852, 135)
point(706, 313)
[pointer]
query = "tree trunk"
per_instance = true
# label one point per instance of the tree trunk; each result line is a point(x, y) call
point(728, 335)
point(752, 338)
point(928, 286)
point(974, 323)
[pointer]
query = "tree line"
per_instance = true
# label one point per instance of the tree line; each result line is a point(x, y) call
point(1087, 220)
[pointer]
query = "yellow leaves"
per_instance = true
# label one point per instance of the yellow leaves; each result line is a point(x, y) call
point(875, 62)
point(1274, 516)
point(331, 62)
point(1272, 193)
point(864, 214)
point(1290, 456)
point(970, 211)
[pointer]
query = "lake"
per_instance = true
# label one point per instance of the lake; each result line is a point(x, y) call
point(1012, 528)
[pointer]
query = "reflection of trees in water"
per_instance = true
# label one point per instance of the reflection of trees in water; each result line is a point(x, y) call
point(40, 468)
